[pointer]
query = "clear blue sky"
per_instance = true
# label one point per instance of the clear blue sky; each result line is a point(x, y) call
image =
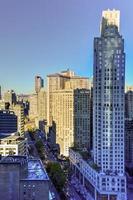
point(46, 36)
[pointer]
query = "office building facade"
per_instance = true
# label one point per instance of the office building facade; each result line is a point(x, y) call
point(0, 93)
point(129, 104)
point(63, 80)
point(33, 107)
point(71, 116)
point(106, 169)
point(10, 97)
point(129, 142)
point(19, 112)
point(8, 122)
point(13, 145)
point(42, 104)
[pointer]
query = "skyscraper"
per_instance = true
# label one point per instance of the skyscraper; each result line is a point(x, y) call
point(63, 80)
point(108, 105)
point(129, 142)
point(38, 83)
point(19, 112)
point(10, 97)
point(33, 113)
point(129, 104)
point(108, 98)
point(8, 122)
point(42, 104)
point(71, 115)
point(0, 93)
point(104, 173)
point(54, 82)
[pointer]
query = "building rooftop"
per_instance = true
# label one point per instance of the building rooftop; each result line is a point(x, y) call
point(6, 111)
point(12, 139)
point(36, 170)
point(32, 169)
point(54, 75)
point(14, 160)
point(6, 135)
point(65, 76)
point(87, 157)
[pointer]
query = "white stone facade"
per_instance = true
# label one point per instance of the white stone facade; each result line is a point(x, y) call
point(104, 184)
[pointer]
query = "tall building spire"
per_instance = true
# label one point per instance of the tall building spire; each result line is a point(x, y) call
point(38, 83)
point(110, 17)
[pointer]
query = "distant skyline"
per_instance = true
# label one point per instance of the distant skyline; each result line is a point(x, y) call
point(39, 37)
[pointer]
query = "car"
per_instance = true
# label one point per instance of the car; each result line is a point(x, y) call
point(81, 192)
point(50, 196)
point(53, 195)
point(67, 194)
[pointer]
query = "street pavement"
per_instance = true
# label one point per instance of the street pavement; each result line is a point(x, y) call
point(72, 192)
point(31, 145)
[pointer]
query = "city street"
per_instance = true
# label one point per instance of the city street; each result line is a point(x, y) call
point(74, 190)
point(53, 195)
point(31, 145)
point(73, 195)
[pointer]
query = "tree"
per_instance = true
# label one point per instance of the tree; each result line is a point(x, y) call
point(57, 175)
point(40, 148)
point(39, 144)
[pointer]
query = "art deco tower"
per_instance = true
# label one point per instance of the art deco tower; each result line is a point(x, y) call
point(108, 105)
point(103, 173)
